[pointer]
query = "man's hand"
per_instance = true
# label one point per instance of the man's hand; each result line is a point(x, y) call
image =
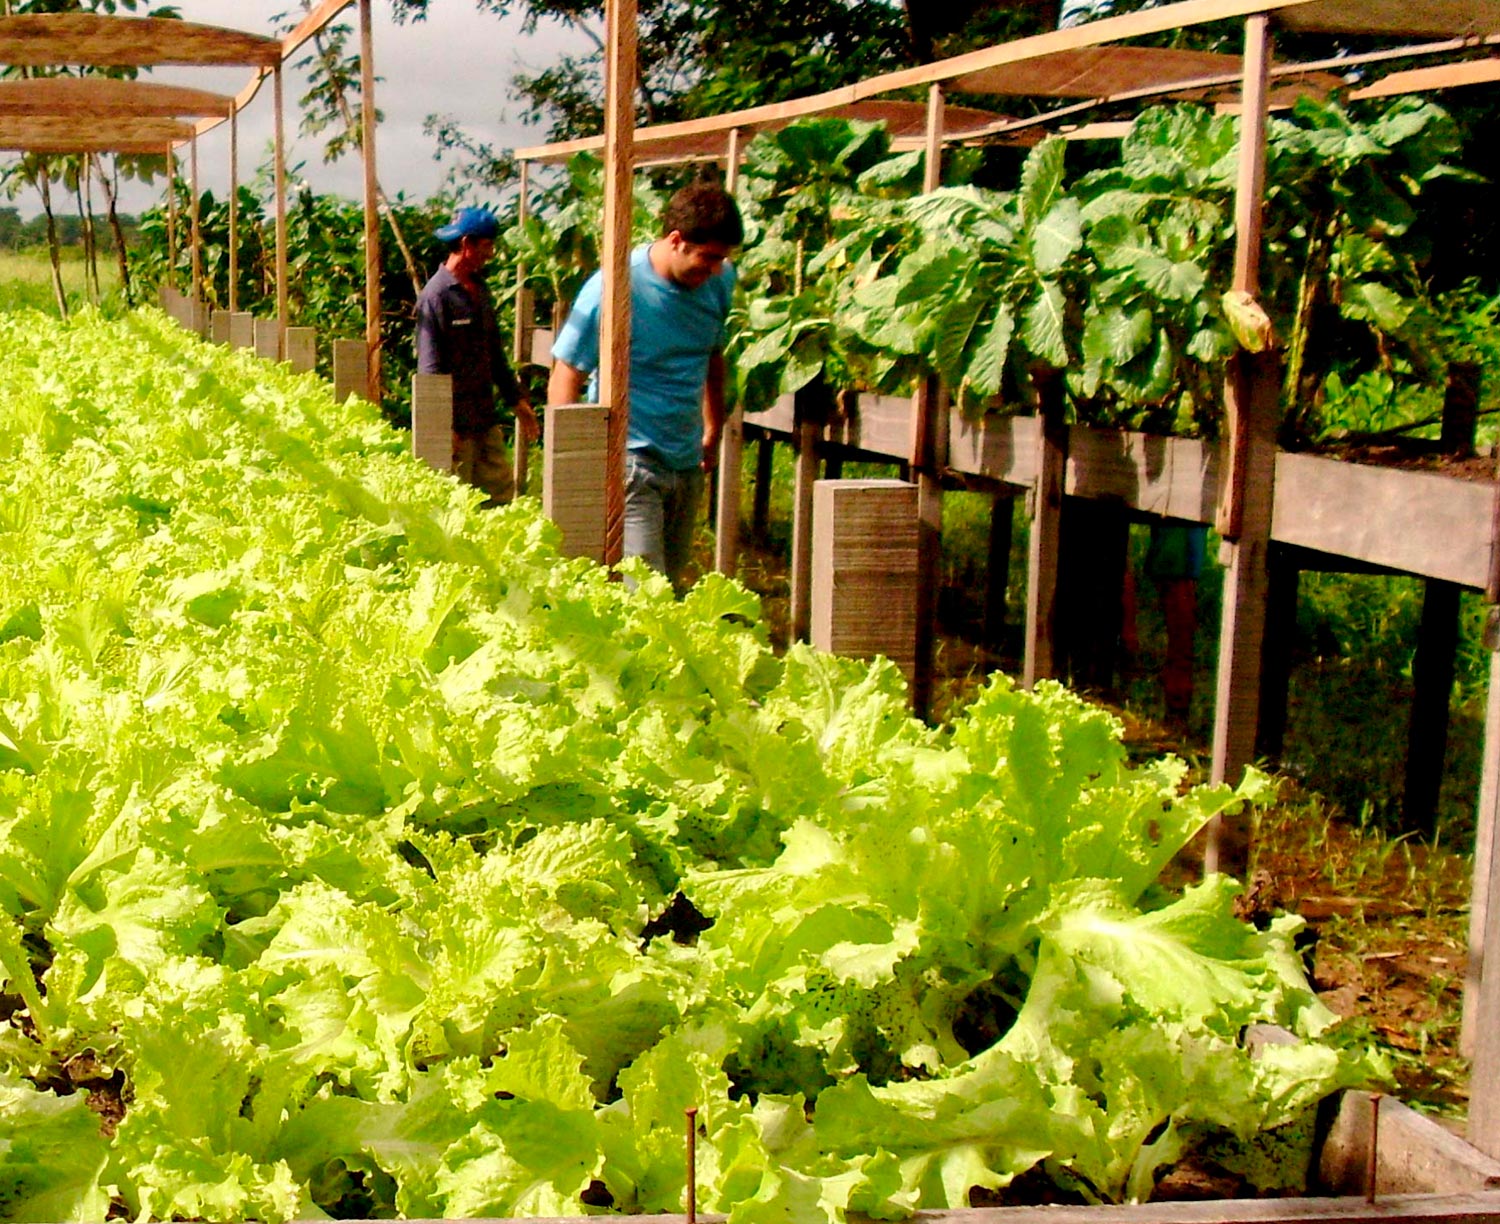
point(710, 449)
point(526, 422)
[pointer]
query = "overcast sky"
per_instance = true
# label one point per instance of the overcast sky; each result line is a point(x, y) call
point(457, 62)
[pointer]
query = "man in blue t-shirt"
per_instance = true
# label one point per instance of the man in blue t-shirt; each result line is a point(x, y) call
point(680, 290)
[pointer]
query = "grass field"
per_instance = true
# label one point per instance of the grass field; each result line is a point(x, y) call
point(26, 279)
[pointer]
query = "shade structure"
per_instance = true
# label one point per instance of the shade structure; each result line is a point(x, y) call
point(1106, 72)
point(1394, 18)
point(687, 141)
point(92, 98)
point(105, 42)
point(55, 134)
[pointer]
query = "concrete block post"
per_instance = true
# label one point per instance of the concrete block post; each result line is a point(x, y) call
point(432, 419)
point(198, 318)
point(866, 569)
point(575, 458)
point(218, 327)
point(242, 330)
point(302, 348)
point(268, 339)
point(351, 371)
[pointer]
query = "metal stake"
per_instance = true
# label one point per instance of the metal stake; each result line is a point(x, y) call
point(692, 1165)
point(1372, 1158)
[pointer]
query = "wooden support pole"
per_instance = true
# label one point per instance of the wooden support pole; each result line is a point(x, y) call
point(234, 207)
point(1283, 579)
point(432, 419)
point(997, 568)
point(930, 418)
point(1252, 389)
point(171, 216)
point(574, 458)
point(619, 202)
point(1045, 543)
point(760, 510)
point(525, 327)
point(281, 239)
point(865, 570)
point(811, 415)
point(372, 195)
point(1481, 1024)
point(195, 230)
point(732, 441)
point(1427, 727)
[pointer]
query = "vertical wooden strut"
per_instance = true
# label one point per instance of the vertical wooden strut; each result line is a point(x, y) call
point(1251, 403)
point(1044, 544)
point(614, 329)
point(372, 195)
point(929, 412)
point(234, 207)
point(1481, 1023)
point(732, 442)
point(171, 216)
point(520, 353)
point(195, 233)
point(281, 253)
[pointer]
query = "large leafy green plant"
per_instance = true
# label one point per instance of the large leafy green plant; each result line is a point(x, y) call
point(360, 854)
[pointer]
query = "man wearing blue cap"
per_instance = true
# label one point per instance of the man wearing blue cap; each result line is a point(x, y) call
point(457, 334)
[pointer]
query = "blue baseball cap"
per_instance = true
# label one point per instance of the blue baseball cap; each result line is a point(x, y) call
point(469, 223)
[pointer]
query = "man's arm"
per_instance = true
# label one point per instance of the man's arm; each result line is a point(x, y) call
point(429, 339)
point(566, 384)
point(713, 409)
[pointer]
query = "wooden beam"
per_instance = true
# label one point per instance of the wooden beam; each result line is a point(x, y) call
point(109, 42)
point(195, 226)
point(619, 201)
point(234, 209)
point(929, 413)
point(522, 334)
point(83, 143)
point(171, 217)
point(732, 441)
point(1482, 988)
point(372, 195)
point(1426, 80)
point(26, 130)
point(1427, 724)
point(811, 414)
point(103, 97)
point(313, 23)
point(1045, 543)
point(282, 320)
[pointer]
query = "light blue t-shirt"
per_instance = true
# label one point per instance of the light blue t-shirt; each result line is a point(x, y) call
point(672, 332)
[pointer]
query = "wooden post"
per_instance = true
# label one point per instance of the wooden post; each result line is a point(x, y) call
point(432, 419)
point(1252, 390)
point(1481, 1025)
point(760, 511)
point(574, 458)
point(234, 207)
point(372, 196)
point(281, 252)
point(1045, 543)
point(930, 416)
point(302, 349)
point(351, 371)
point(614, 328)
point(171, 216)
point(997, 568)
point(195, 230)
point(866, 576)
point(1432, 684)
point(241, 329)
point(732, 441)
point(810, 415)
point(525, 325)
point(1460, 409)
point(1283, 578)
point(268, 339)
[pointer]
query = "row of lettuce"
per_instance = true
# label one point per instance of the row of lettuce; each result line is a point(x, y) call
point(361, 855)
point(1115, 272)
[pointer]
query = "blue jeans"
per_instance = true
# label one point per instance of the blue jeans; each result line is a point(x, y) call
point(661, 513)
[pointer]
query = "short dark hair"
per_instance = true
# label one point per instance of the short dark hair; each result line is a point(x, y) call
point(704, 212)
